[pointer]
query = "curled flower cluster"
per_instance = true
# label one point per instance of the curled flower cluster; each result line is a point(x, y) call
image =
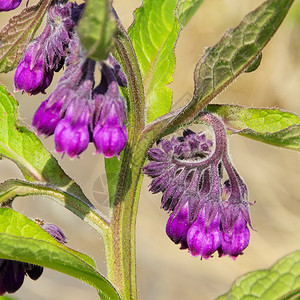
point(12, 272)
point(209, 209)
point(76, 112)
point(6, 5)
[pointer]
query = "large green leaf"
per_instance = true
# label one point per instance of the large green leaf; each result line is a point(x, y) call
point(273, 126)
point(238, 49)
point(96, 28)
point(154, 34)
point(18, 33)
point(24, 240)
point(282, 281)
point(186, 9)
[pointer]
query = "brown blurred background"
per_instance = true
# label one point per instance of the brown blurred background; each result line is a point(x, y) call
point(272, 175)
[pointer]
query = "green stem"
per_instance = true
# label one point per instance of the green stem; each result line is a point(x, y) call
point(120, 246)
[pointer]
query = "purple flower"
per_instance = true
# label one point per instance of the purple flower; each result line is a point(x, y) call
point(12, 272)
point(204, 235)
point(75, 112)
point(6, 5)
point(178, 226)
point(30, 75)
point(71, 134)
point(207, 214)
point(110, 134)
point(47, 117)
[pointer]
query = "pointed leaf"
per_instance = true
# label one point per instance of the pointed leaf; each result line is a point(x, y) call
point(24, 240)
point(237, 49)
point(282, 281)
point(186, 9)
point(229, 58)
point(96, 28)
point(16, 35)
point(154, 34)
point(273, 126)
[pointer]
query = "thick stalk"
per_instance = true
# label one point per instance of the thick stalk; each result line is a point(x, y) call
point(120, 246)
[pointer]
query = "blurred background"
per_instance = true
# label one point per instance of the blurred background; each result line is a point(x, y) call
point(272, 174)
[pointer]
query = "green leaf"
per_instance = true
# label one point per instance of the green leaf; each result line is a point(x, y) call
point(186, 9)
point(96, 28)
point(255, 64)
point(273, 126)
point(16, 35)
point(112, 168)
point(237, 49)
point(154, 34)
point(24, 240)
point(225, 61)
point(282, 281)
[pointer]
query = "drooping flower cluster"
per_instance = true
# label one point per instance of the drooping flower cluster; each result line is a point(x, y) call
point(209, 209)
point(76, 112)
point(6, 5)
point(12, 272)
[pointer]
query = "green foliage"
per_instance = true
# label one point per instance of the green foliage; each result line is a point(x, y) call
point(237, 50)
point(255, 64)
point(186, 9)
point(153, 35)
point(96, 29)
point(16, 35)
point(272, 126)
point(24, 240)
point(282, 281)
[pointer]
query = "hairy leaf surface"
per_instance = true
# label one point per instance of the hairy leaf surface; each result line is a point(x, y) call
point(282, 281)
point(273, 126)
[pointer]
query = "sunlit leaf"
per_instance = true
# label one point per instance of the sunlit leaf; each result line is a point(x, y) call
point(273, 126)
point(154, 34)
point(24, 240)
point(230, 57)
point(186, 9)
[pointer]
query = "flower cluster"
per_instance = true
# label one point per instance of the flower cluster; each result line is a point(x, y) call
point(209, 209)
point(6, 5)
point(12, 272)
point(76, 112)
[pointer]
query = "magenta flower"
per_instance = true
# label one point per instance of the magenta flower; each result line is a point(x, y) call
point(6, 5)
point(207, 214)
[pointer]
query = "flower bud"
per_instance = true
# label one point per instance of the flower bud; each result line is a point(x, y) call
point(202, 238)
point(72, 136)
point(6, 5)
point(178, 226)
point(30, 75)
point(46, 118)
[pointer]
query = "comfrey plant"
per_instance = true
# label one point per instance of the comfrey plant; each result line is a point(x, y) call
point(127, 115)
